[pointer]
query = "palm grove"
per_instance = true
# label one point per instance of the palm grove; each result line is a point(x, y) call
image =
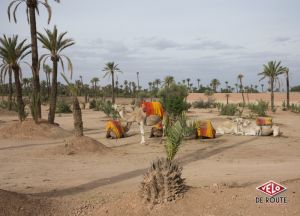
point(14, 50)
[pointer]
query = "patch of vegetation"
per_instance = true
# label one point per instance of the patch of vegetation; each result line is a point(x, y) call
point(204, 104)
point(295, 89)
point(92, 104)
point(107, 108)
point(228, 109)
point(284, 106)
point(260, 108)
point(295, 108)
point(5, 105)
point(173, 99)
point(63, 107)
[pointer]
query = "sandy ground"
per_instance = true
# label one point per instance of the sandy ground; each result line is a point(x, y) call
point(222, 173)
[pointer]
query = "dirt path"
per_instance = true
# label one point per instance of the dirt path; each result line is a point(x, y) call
point(98, 180)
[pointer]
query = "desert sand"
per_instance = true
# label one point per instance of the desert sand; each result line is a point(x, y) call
point(37, 177)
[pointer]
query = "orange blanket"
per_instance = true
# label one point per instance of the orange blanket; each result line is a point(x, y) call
point(153, 108)
point(116, 128)
point(205, 129)
point(262, 121)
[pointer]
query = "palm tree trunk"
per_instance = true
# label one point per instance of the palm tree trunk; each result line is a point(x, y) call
point(20, 103)
point(272, 94)
point(287, 90)
point(53, 96)
point(35, 56)
point(77, 116)
point(10, 90)
point(113, 87)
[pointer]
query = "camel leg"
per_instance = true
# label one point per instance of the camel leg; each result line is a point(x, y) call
point(142, 132)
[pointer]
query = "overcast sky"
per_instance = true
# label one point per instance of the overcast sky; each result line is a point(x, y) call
point(193, 39)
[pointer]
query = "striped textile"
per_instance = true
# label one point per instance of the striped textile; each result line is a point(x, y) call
point(116, 128)
point(153, 108)
point(263, 121)
point(205, 129)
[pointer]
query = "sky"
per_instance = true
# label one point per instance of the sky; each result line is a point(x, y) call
point(193, 39)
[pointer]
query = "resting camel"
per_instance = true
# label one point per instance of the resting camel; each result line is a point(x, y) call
point(138, 115)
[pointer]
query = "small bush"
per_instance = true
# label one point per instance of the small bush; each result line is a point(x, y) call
point(228, 109)
point(107, 108)
point(92, 104)
point(204, 104)
point(5, 104)
point(260, 108)
point(295, 108)
point(63, 107)
point(284, 106)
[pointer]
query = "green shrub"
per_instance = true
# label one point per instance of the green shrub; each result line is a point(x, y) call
point(260, 108)
point(295, 108)
point(92, 104)
point(107, 108)
point(204, 104)
point(5, 104)
point(173, 99)
point(228, 109)
point(63, 107)
point(284, 106)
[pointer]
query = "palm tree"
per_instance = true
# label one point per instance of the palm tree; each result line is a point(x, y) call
point(12, 54)
point(168, 81)
point(163, 182)
point(188, 82)
point(236, 87)
point(198, 80)
point(272, 70)
point(111, 69)
point(32, 6)
point(94, 82)
point(240, 78)
point(138, 80)
point(214, 84)
point(157, 82)
point(55, 43)
point(77, 115)
point(47, 69)
point(3, 73)
point(287, 87)
point(262, 87)
point(150, 86)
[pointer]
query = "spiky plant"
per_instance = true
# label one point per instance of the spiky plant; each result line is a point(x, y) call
point(163, 182)
point(77, 115)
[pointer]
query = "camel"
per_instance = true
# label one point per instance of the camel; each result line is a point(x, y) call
point(140, 117)
point(111, 134)
point(240, 126)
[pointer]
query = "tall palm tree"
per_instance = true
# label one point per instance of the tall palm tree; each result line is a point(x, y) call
point(214, 84)
point(3, 73)
point(188, 82)
point(198, 80)
point(55, 43)
point(111, 69)
point(262, 87)
point(94, 82)
point(32, 6)
point(168, 81)
point(240, 79)
point(272, 70)
point(157, 82)
point(47, 69)
point(236, 87)
point(12, 53)
point(287, 87)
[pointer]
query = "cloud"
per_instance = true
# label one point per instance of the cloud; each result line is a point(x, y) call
point(282, 39)
point(201, 44)
point(158, 43)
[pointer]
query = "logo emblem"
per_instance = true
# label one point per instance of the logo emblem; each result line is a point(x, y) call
point(271, 188)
